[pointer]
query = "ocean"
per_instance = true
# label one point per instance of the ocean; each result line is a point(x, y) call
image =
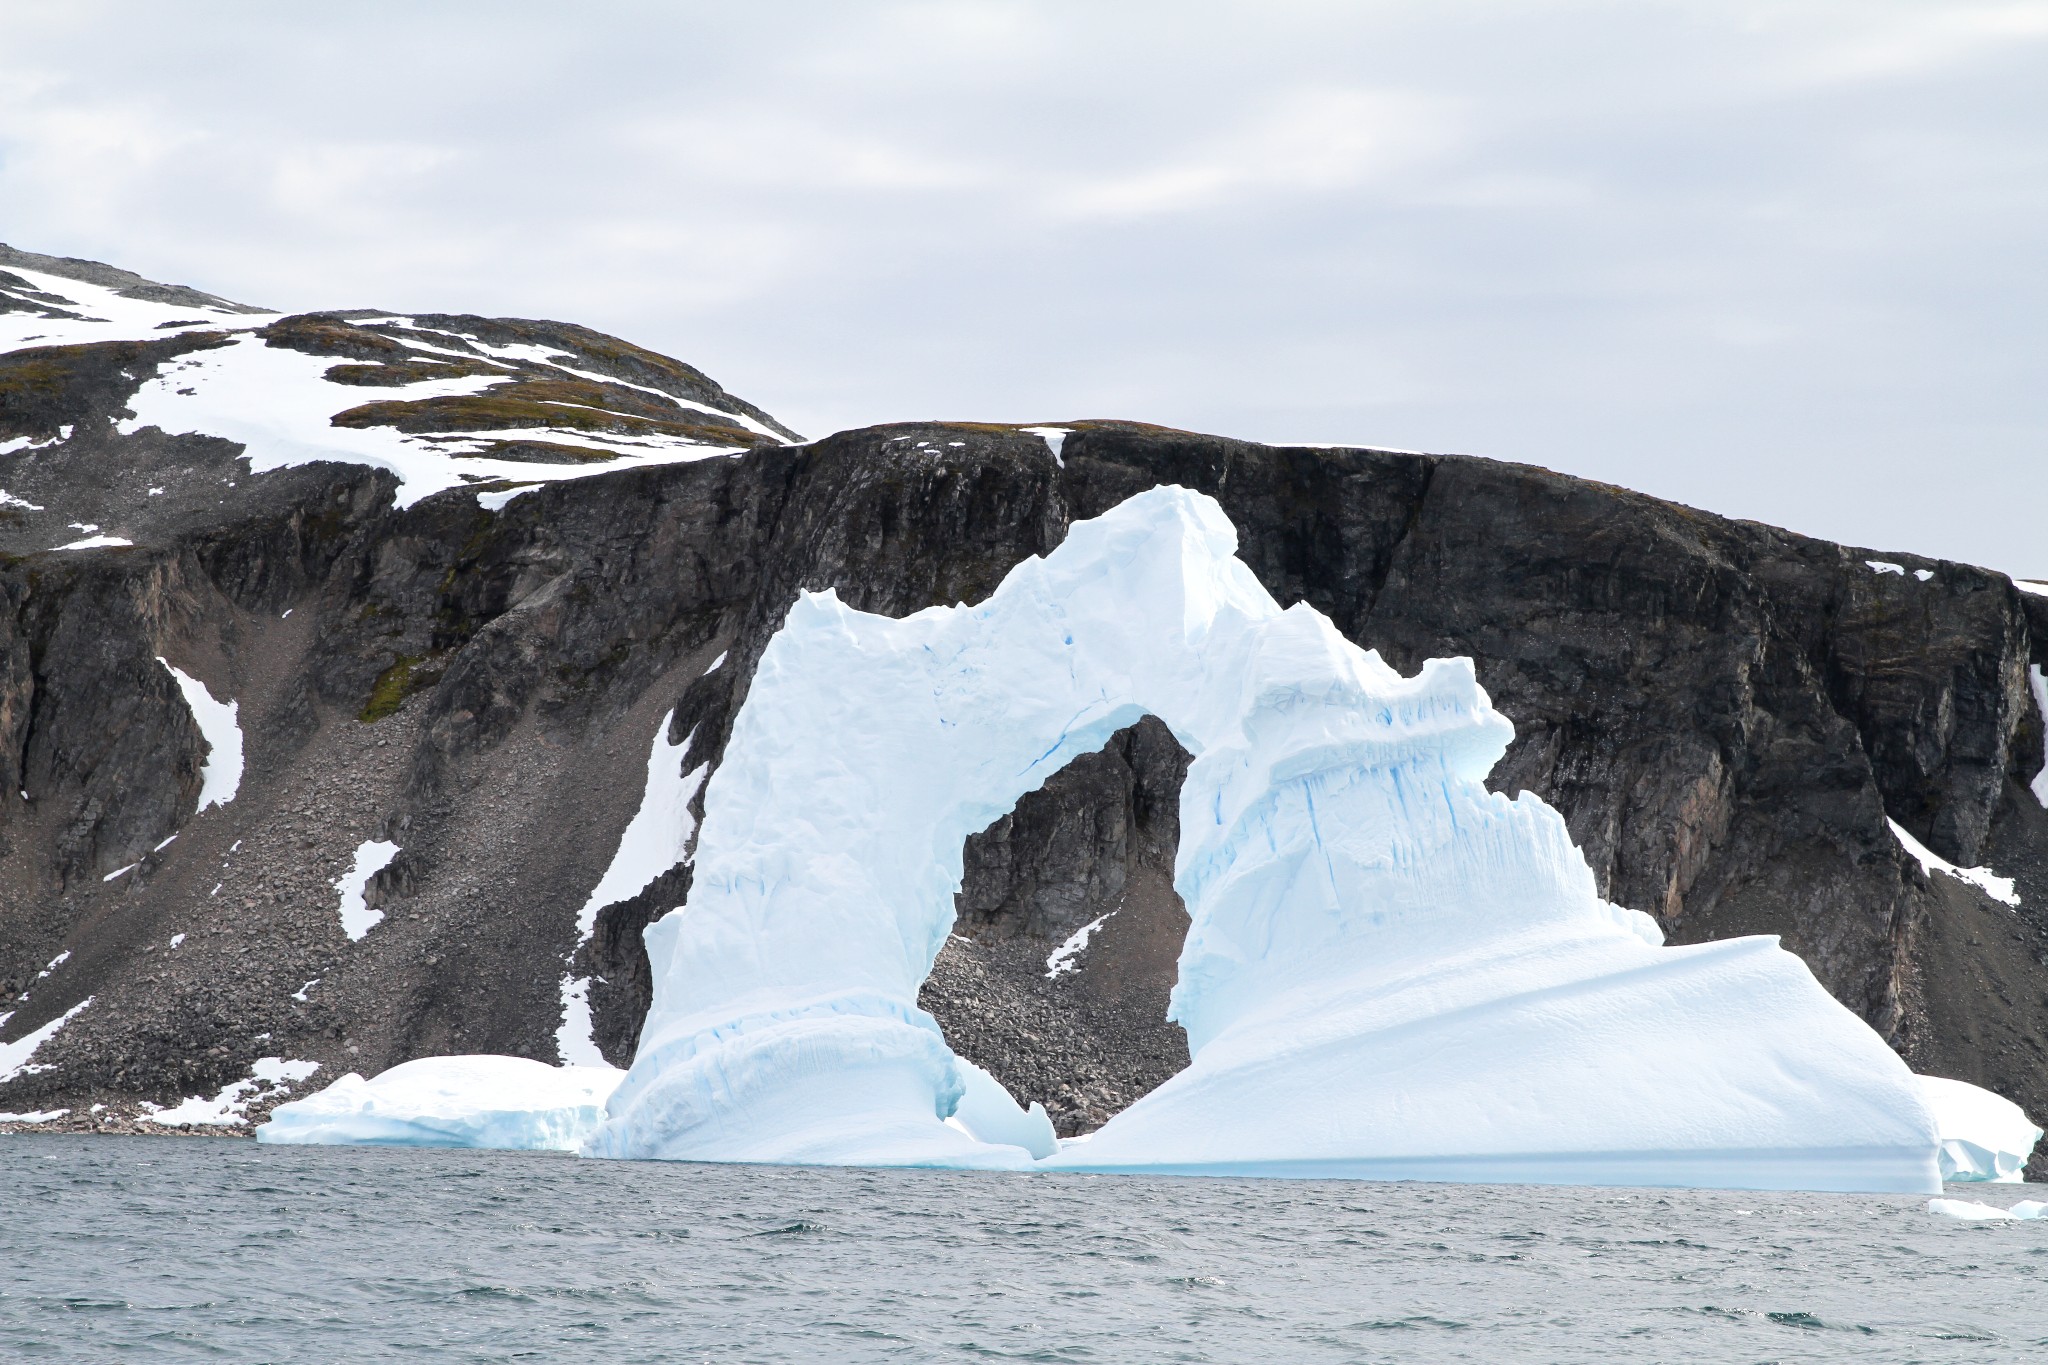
point(219, 1250)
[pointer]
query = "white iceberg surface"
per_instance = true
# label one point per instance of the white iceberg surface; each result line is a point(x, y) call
point(1973, 1212)
point(1390, 971)
point(1984, 1136)
point(485, 1101)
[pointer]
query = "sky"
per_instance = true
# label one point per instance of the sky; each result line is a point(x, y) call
point(1785, 260)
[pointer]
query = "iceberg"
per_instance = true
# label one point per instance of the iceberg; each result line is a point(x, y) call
point(1984, 1136)
point(482, 1101)
point(1390, 971)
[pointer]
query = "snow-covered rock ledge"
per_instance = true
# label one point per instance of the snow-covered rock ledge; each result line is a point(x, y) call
point(1390, 972)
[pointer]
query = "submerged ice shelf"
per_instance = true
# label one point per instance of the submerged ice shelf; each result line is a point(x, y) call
point(1390, 971)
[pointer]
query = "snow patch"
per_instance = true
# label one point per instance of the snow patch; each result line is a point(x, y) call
point(501, 1102)
point(176, 939)
point(230, 1105)
point(93, 543)
point(16, 1058)
point(1062, 959)
point(33, 1116)
point(7, 499)
point(1983, 878)
point(357, 919)
point(120, 872)
point(1886, 566)
point(1055, 438)
point(221, 778)
point(1923, 574)
point(2030, 586)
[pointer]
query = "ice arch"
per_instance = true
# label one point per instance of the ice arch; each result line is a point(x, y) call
point(1389, 970)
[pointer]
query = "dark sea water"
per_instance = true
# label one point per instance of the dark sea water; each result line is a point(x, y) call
point(170, 1250)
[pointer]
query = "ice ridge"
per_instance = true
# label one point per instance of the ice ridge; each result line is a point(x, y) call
point(1389, 972)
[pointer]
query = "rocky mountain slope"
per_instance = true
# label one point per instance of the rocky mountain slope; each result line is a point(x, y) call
point(476, 587)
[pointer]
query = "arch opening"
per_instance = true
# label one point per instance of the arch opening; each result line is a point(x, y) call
point(1056, 975)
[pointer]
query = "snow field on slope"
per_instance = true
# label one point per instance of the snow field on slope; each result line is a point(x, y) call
point(2000, 889)
point(278, 404)
point(107, 316)
point(357, 918)
point(228, 1106)
point(1389, 971)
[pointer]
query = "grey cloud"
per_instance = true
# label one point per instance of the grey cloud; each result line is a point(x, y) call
point(1778, 260)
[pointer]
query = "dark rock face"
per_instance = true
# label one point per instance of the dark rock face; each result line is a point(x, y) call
point(1726, 714)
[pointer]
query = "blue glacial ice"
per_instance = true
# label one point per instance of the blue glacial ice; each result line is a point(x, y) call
point(1390, 971)
point(1984, 1136)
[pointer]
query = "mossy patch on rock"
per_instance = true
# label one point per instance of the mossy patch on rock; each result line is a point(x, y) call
point(407, 674)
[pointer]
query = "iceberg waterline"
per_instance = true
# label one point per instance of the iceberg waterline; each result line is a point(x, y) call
point(1390, 971)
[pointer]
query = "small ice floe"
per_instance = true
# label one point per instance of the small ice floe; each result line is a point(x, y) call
point(1984, 1213)
point(1062, 959)
point(16, 1058)
point(1054, 438)
point(1886, 566)
point(2001, 889)
point(221, 778)
point(357, 918)
point(230, 1105)
point(1984, 1136)
point(502, 1102)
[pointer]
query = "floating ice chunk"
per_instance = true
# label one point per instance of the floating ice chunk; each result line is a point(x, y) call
point(1389, 971)
point(221, 778)
point(357, 918)
point(1984, 1136)
point(506, 1102)
point(17, 1057)
point(1062, 958)
point(1963, 1208)
point(1983, 878)
point(1886, 566)
point(229, 1106)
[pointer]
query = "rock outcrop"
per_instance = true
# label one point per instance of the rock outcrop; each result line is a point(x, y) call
point(474, 669)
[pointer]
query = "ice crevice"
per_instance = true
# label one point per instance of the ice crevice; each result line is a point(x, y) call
point(1389, 971)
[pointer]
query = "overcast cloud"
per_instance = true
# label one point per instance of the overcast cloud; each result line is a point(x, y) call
point(1784, 260)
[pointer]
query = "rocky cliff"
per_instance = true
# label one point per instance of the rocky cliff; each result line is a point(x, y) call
point(460, 576)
